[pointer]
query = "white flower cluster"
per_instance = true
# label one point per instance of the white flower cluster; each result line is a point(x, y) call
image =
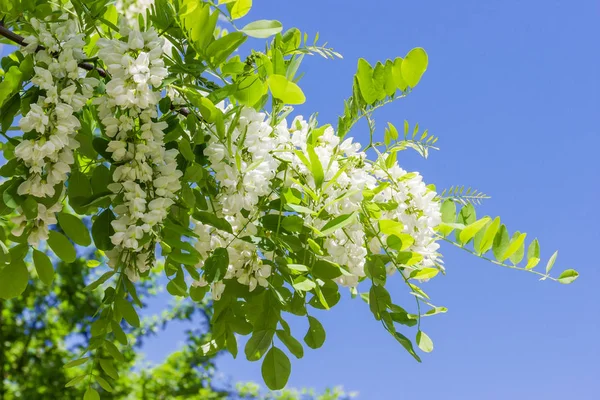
point(146, 176)
point(132, 9)
point(245, 167)
point(39, 225)
point(64, 91)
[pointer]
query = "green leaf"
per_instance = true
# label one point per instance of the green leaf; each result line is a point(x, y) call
point(74, 228)
point(400, 242)
point(13, 279)
point(371, 89)
point(407, 344)
point(471, 230)
point(424, 342)
point(263, 28)
point(11, 84)
point(315, 337)
point(337, 223)
point(186, 150)
point(324, 269)
point(414, 66)
point(533, 254)
point(102, 230)
point(258, 344)
point(91, 394)
point(276, 368)
point(424, 273)
point(397, 74)
point(315, 166)
point(250, 90)
point(222, 48)
point(126, 309)
point(239, 8)
point(292, 344)
point(108, 367)
point(75, 380)
point(298, 268)
point(391, 227)
point(303, 283)
point(448, 210)
point(216, 265)
point(212, 220)
point(515, 244)
point(30, 207)
point(379, 300)
point(62, 247)
point(501, 242)
point(286, 91)
point(103, 383)
point(568, 276)
point(408, 258)
point(551, 262)
point(487, 241)
point(43, 266)
point(389, 84)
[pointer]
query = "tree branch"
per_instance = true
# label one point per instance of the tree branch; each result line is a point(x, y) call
point(20, 40)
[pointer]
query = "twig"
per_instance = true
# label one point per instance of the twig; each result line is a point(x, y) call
point(10, 35)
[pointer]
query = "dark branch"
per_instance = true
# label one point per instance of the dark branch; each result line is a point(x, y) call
point(10, 35)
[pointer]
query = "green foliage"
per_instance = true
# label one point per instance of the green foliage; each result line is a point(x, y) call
point(294, 228)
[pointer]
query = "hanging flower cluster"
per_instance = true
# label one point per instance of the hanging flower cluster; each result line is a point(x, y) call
point(173, 153)
point(146, 178)
point(64, 90)
point(246, 164)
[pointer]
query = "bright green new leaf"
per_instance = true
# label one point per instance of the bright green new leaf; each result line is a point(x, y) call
point(515, 244)
point(471, 230)
point(448, 210)
point(239, 8)
point(424, 273)
point(315, 166)
point(391, 227)
point(74, 228)
point(61, 246)
point(303, 283)
point(337, 223)
point(424, 342)
point(298, 268)
point(397, 73)
point(408, 258)
point(13, 279)
point(518, 255)
point(250, 90)
point(400, 242)
point(501, 242)
point(276, 369)
point(43, 266)
point(286, 91)
point(551, 262)
point(533, 254)
point(263, 28)
point(371, 87)
point(219, 50)
point(487, 241)
point(568, 276)
point(414, 66)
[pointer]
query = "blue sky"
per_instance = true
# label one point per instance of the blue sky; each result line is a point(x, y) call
point(512, 90)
